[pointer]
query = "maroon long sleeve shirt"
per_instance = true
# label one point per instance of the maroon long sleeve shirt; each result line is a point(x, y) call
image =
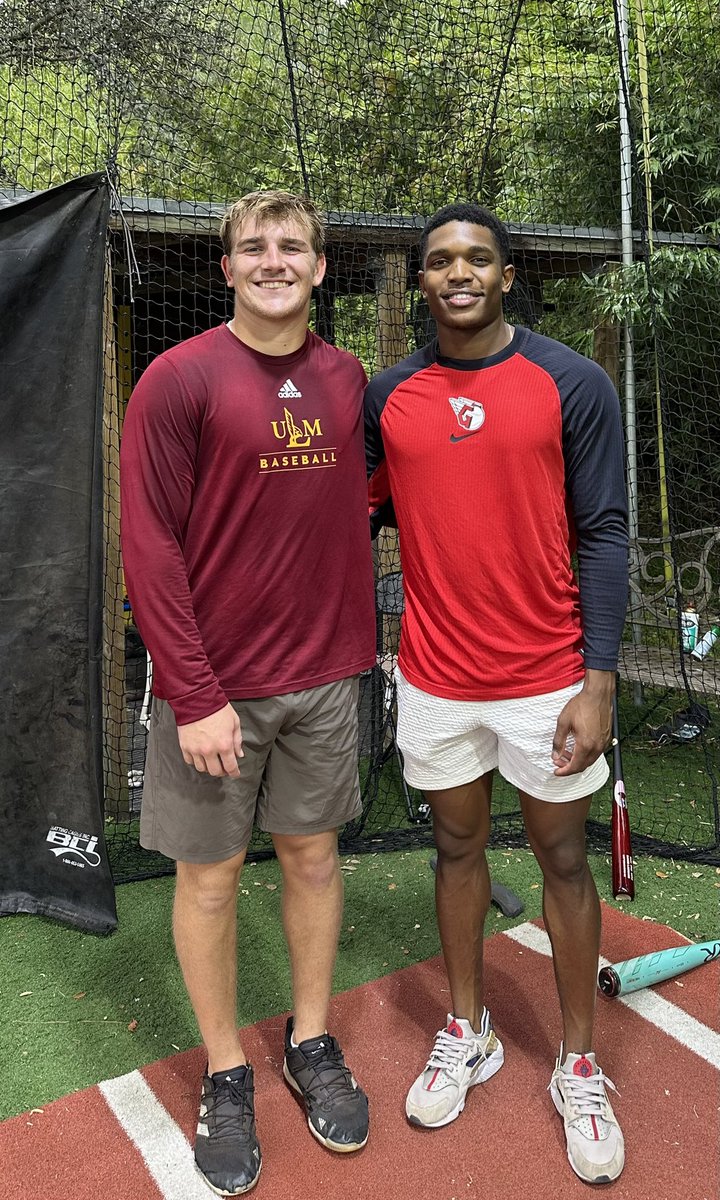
point(244, 521)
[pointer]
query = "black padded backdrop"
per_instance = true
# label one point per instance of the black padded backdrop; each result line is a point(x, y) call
point(53, 859)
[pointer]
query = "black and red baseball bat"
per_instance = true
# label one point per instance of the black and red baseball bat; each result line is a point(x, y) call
point(623, 875)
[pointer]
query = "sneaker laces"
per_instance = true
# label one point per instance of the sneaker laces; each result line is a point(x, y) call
point(448, 1053)
point(332, 1077)
point(587, 1094)
point(229, 1103)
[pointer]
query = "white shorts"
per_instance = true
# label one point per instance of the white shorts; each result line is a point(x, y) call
point(445, 743)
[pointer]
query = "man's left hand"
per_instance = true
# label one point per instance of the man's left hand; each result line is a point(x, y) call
point(584, 725)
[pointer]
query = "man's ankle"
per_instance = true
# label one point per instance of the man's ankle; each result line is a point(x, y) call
point(226, 1062)
point(303, 1033)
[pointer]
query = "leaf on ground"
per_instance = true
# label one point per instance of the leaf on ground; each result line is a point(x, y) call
point(271, 887)
point(133, 1025)
point(662, 874)
point(392, 887)
point(79, 995)
point(26, 993)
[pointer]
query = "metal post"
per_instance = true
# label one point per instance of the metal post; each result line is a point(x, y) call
point(627, 258)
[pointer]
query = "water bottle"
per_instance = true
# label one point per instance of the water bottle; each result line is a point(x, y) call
point(689, 627)
point(707, 642)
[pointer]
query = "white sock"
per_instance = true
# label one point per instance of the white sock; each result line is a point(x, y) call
point(295, 1044)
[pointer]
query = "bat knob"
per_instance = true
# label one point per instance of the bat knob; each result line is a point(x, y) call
point(609, 982)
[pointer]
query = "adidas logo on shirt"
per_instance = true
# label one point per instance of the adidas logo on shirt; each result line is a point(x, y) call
point(288, 391)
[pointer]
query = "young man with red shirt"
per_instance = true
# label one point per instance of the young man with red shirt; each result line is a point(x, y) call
point(243, 484)
point(501, 452)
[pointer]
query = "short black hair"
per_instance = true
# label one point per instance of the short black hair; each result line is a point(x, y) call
point(473, 214)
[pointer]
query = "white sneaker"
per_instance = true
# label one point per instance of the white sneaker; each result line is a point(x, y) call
point(460, 1058)
point(595, 1144)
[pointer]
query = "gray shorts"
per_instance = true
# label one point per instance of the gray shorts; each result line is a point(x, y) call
point(299, 775)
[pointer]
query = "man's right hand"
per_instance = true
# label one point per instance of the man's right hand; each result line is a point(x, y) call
point(214, 744)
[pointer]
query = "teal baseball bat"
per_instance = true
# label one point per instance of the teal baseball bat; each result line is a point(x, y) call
point(636, 973)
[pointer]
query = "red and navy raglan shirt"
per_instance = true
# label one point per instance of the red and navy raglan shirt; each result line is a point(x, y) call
point(498, 471)
point(245, 536)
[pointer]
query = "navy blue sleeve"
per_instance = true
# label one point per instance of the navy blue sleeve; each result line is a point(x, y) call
point(380, 506)
point(376, 395)
point(594, 453)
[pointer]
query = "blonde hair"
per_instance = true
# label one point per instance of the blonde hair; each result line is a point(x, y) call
point(276, 207)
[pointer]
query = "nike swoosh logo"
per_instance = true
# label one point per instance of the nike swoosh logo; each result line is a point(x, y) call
point(461, 437)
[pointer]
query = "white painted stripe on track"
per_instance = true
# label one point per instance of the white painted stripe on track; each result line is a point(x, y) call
point(673, 1021)
point(529, 935)
point(164, 1148)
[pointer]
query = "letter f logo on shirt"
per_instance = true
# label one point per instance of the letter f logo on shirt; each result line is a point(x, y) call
point(470, 416)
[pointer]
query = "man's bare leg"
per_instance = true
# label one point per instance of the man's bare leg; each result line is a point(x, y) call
point(336, 1106)
point(205, 929)
point(312, 905)
point(459, 1060)
point(571, 910)
point(461, 821)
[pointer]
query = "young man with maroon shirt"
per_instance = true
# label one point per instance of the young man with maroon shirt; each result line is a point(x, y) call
point(243, 484)
point(502, 454)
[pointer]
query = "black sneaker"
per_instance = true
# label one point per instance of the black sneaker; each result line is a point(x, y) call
point(227, 1153)
point(336, 1107)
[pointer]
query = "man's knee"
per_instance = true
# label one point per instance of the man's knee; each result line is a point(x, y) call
point(563, 858)
point(309, 862)
point(557, 836)
point(456, 841)
point(209, 887)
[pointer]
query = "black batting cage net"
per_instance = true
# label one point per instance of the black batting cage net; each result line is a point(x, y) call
point(591, 128)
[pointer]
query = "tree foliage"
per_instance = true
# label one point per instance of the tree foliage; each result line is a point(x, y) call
point(393, 106)
point(397, 106)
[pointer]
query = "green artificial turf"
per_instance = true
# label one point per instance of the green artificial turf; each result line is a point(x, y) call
point(669, 787)
point(70, 998)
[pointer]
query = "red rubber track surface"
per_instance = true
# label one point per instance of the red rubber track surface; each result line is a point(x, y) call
point(507, 1145)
